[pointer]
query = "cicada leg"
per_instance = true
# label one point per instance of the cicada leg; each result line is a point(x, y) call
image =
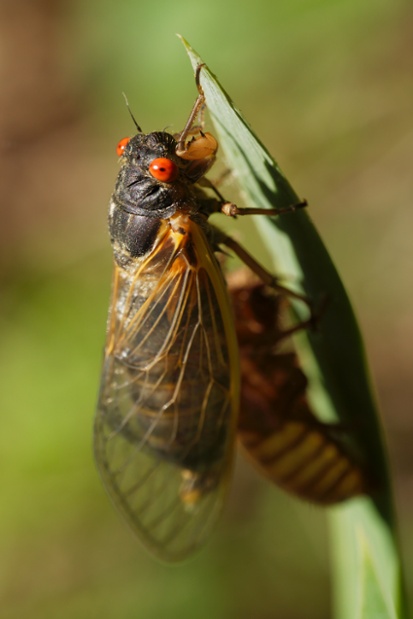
point(197, 110)
point(232, 210)
point(265, 276)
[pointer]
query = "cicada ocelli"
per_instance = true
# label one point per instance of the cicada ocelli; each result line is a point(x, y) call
point(168, 407)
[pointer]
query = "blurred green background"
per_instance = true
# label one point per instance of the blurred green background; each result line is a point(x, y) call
point(328, 88)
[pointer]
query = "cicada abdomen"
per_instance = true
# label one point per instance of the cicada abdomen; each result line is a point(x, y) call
point(276, 425)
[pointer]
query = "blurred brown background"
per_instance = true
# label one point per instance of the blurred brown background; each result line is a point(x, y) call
point(328, 87)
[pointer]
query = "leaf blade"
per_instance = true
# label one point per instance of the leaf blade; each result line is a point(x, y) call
point(363, 531)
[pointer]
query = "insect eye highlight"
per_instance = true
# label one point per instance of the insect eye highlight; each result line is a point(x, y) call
point(122, 144)
point(164, 169)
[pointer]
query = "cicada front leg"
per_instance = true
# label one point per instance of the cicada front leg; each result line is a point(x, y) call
point(194, 145)
point(198, 111)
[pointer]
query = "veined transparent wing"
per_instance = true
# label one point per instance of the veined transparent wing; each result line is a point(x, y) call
point(165, 425)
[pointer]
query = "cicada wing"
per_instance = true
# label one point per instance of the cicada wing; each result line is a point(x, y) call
point(165, 426)
point(149, 492)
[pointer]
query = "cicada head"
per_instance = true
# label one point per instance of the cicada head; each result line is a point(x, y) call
point(156, 177)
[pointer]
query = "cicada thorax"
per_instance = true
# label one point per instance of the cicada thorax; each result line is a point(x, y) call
point(277, 426)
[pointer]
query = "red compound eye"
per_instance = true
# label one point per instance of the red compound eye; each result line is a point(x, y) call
point(122, 144)
point(164, 169)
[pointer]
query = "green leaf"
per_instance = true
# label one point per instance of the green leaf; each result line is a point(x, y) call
point(366, 562)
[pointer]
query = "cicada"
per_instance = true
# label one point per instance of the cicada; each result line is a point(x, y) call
point(277, 428)
point(167, 415)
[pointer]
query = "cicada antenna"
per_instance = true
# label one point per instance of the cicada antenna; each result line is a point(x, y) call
point(131, 114)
